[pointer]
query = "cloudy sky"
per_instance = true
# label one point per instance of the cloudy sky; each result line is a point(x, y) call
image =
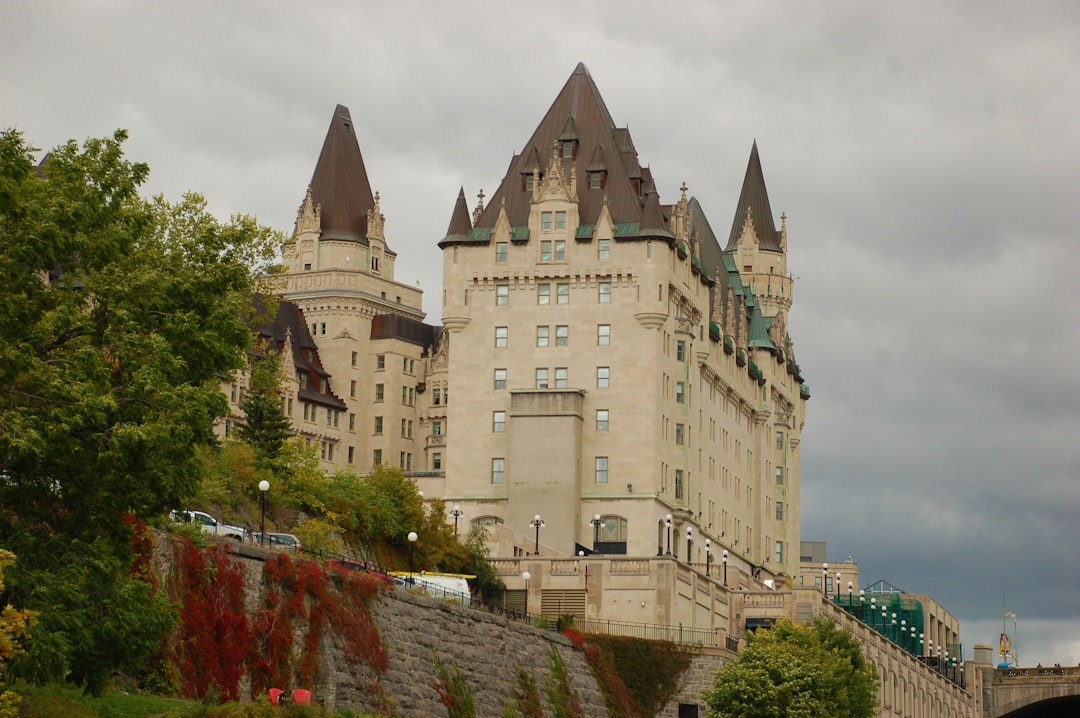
point(926, 154)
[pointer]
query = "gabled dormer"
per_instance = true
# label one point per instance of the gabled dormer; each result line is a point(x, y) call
point(569, 140)
point(553, 214)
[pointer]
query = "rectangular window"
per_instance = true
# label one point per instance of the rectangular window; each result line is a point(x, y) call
point(350, 454)
point(679, 429)
point(378, 392)
point(560, 245)
point(501, 252)
point(779, 440)
point(401, 459)
point(560, 223)
point(594, 179)
point(542, 378)
point(378, 425)
point(403, 428)
point(502, 294)
point(380, 361)
point(568, 151)
point(678, 483)
point(498, 471)
point(601, 419)
point(601, 469)
point(779, 510)
point(603, 375)
point(436, 396)
point(779, 551)
point(354, 357)
point(680, 392)
point(562, 336)
point(405, 364)
point(779, 475)
point(603, 335)
point(405, 395)
point(352, 422)
point(680, 351)
point(545, 251)
point(542, 336)
point(603, 249)
point(352, 389)
point(543, 294)
point(545, 221)
point(376, 457)
point(560, 377)
point(498, 422)
point(322, 328)
point(436, 428)
point(436, 461)
point(562, 292)
point(500, 378)
point(500, 337)
point(605, 292)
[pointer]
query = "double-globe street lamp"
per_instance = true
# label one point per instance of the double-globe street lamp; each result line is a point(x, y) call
point(667, 522)
point(457, 513)
point(724, 559)
point(537, 523)
point(597, 524)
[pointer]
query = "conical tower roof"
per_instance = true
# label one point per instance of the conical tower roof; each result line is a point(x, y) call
point(578, 114)
point(755, 197)
point(460, 222)
point(340, 182)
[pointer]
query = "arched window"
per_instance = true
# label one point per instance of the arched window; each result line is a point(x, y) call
point(612, 535)
point(486, 522)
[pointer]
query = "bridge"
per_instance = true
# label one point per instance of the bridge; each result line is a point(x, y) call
point(1036, 692)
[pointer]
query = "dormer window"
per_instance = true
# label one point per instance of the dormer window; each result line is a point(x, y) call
point(597, 180)
point(569, 149)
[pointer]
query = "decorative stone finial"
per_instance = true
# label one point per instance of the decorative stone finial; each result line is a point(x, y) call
point(479, 206)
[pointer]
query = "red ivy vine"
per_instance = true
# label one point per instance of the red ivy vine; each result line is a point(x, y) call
point(216, 643)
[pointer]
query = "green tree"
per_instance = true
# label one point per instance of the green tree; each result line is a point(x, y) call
point(265, 425)
point(118, 316)
point(14, 628)
point(796, 671)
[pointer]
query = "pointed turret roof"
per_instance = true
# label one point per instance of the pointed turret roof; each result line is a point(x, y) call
point(578, 113)
point(652, 219)
point(755, 198)
point(340, 182)
point(460, 222)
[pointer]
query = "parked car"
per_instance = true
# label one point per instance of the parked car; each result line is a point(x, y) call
point(279, 541)
point(209, 524)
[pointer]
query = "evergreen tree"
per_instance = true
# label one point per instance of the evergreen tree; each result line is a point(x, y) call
point(265, 425)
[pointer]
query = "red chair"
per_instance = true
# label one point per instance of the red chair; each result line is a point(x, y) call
point(275, 696)
point(301, 696)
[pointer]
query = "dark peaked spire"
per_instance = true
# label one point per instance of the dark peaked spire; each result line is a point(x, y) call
point(755, 198)
point(577, 114)
point(460, 223)
point(652, 218)
point(340, 182)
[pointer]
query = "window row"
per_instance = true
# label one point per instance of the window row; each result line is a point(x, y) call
point(543, 293)
point(311, 414)
point(561, 375)
point(600, 470)
point(498, 420)
point(543, 336)
point(552, 251)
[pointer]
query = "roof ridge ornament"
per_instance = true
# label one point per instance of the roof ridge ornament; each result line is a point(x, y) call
point(309, 216)
point(479, 206)
point(375, 221)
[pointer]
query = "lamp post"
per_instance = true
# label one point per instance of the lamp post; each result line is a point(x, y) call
point(873, 611)
point(825, 579)
point(689, 543)
point(903, 632)
point(850, 595)
point(837, 586)
point(537, 523)
point(894, 627)
point(708, 555)
point(264, 486)
point(457, 513)
point(412, 545)
point(597, 524)
point(526, 576)
point(724, 558)
point(1006, 644)
point(667, 522)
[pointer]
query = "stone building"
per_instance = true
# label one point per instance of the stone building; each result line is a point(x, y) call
point(611, 356)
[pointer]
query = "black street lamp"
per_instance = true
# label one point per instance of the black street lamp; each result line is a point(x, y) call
point(708, 556)
point(264, 486)
point(412, 545)
point(667, 522)
point(457, 513)
point(837, 588)
point(526, 576)
point(724, 558)
point(597, 524)
point(537, 523)
point(850, 595)
point(873, 611)
point(825, 579)
point(689, 543)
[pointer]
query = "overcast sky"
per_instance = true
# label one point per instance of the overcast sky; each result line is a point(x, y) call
point(926, 154)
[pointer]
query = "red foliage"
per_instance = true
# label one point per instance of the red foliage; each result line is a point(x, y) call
point(142, 549)
point(214, 637)
point(576, 639)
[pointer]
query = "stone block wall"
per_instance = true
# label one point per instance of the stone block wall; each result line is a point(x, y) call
point(699, 677)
